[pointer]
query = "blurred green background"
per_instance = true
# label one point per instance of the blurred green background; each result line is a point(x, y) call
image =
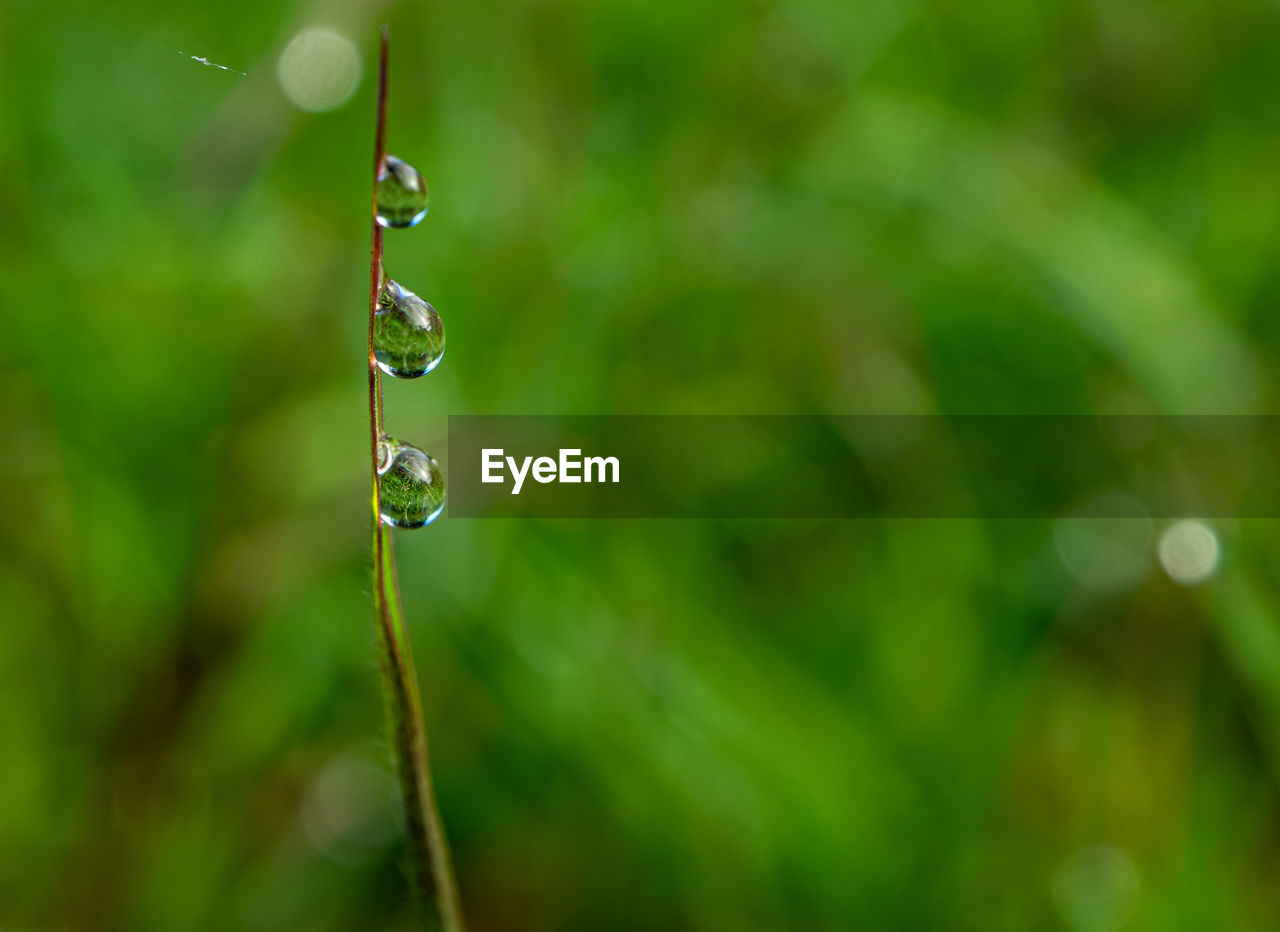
point(808, 206)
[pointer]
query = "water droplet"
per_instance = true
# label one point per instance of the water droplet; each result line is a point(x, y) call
point(408, 335)
point(410, 485)
point(402, 194)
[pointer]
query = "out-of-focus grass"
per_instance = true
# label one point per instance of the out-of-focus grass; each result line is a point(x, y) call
point(665, 207)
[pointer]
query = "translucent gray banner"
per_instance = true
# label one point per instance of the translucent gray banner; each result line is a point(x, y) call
point(860, 466)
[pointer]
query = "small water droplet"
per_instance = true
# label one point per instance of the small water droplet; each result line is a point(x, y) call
point(402, 194)
point(410, 485)
point(408, 335)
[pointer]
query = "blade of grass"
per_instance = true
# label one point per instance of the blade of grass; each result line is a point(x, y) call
point(431, 872)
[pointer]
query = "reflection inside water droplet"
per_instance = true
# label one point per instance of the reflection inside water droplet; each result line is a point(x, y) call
point(408, 335)
point(411, 489)
point(402, 194)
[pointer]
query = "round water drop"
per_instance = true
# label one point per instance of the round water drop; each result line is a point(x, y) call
point(408, 335)
point(410, 485)
point(402, 194)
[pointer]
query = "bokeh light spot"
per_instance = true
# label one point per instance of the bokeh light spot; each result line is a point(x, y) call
point(1106, 543)
point(1189, 552)
point(319, 70)
point(350, 813)
point(1096, 889)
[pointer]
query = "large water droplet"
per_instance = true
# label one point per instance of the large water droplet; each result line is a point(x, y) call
point(410, 485)
point(408, 335)
point(402, 194)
